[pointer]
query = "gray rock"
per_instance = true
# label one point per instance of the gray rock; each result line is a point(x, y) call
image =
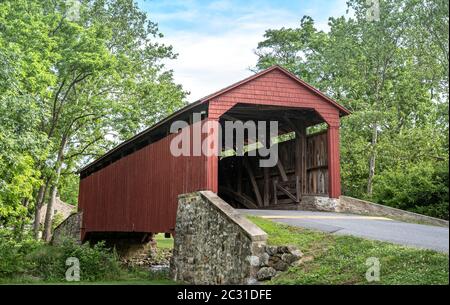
point(271, 250)
point(278, 264)
point(294, 251)
point(254, 261)
point(70, 228)
point(251, 281)
point(266, 273)
point(288, 258)
point(281, 266)
point(282, 249)
point(264, 260)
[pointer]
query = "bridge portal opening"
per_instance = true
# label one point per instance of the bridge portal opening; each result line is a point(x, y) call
point(301, 166)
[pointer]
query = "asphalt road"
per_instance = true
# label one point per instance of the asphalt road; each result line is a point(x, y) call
point(378, 228)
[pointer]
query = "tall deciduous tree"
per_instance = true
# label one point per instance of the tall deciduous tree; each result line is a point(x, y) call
point(392, 73)
point(101, 74)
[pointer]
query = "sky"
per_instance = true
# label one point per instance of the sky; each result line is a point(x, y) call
point(215, 40)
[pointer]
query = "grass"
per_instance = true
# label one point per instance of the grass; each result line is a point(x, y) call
point(128, 276)
point(341, 259)
point(164, 243)
point(26, 261)
point(118, 282)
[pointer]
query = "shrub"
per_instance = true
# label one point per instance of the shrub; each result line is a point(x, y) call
point(13, 252)
point(96, 262)
point(30, 258)
point(420, 188)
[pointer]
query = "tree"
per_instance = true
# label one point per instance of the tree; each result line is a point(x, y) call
point(392, 73)
point(104, 80)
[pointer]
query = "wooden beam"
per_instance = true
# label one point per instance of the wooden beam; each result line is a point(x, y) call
point(275, 191)
point(301, 172)
point(281, 170)
point(266, 186)
point(229, 117)
point(298, 189)
point(300, 153)
point(227, 180)
point(239, 176)
point(292, 125)
point(287, 193)
point(241, 198)
point(253, 182)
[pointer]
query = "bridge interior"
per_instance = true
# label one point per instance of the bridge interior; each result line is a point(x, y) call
point(301, 167)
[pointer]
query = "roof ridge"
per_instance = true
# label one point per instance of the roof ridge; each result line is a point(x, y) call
point(238, 83)
point(342, 109)
point(207, 98)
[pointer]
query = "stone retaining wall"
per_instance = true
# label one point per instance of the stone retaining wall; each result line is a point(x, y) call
point(213, 243)
point(352, 205)
point(358, 206)
point(319, 203)
point(69, 228)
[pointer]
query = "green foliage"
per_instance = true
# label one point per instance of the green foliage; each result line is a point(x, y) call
point(72, 88)
point(341, 259)
point(421, 188)
point(13, 252)
point(57, 220)
point(27, 258)
point(162, 242)
point(69, 188)
point(20, 148)
point(96, 262)
point(393, 75)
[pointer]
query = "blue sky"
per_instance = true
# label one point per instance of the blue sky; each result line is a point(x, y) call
point(216, 40)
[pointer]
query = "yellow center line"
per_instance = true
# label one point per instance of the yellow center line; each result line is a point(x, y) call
point(324, 217)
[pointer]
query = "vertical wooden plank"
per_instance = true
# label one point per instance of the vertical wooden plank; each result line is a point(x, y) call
point(297, 188)
point(334, 184)
point(253, 182)
point(139, 192)
point(281, 170)
point(266, 186)
point(239, 175)
point(275, 197)
point(302, 167)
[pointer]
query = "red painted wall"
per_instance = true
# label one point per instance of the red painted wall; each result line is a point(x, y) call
point(277, 89)
point(334, 169)
point(138, 193)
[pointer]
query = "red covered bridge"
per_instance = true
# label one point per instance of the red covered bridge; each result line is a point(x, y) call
point(134, 187)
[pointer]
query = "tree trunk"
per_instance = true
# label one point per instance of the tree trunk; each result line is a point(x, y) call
point(54, 189)
point(37, 211)
point(49, 213)
point(373, 156)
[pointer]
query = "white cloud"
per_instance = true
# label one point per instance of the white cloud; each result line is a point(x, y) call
point(211, 60)
point(206, 62)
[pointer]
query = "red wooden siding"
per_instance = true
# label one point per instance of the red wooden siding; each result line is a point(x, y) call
point(317, 164)
point(277, 89)
point(138, 193)
point(334, 170)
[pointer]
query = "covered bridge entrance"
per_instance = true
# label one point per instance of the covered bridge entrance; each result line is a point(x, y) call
point(135, 186)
